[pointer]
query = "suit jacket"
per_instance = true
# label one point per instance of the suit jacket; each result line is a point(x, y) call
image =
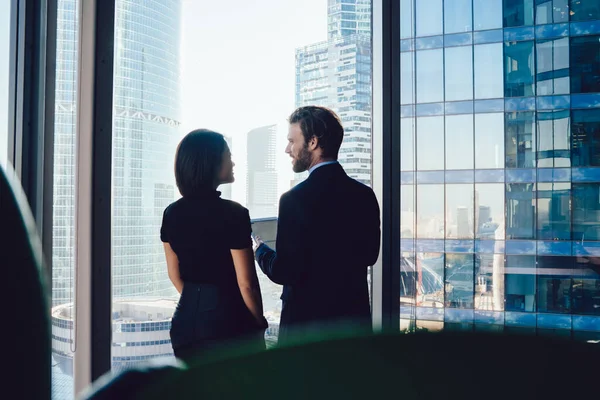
point(328, 233)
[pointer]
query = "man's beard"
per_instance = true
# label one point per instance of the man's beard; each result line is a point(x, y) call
point(302, 162)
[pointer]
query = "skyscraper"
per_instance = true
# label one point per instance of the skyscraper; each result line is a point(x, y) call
point(337, 74)
point(499, 107)
point(261, 182)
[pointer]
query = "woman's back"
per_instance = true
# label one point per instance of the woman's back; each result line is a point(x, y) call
point(202, 231)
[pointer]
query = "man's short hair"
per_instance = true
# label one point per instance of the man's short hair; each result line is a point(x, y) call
point(198, 162)
point(323, 124)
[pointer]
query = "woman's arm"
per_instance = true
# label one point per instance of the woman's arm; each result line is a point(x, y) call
point(173, 267)
point(243, 260)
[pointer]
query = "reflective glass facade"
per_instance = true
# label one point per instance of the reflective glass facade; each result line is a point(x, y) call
point(500, 149)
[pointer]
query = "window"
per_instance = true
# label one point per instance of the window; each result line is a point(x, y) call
point(554, 211)
point(520, 211)
point(551, 11)
point(332, 60)
point(518, 13)
point(459, 276)
point(554, 139)
point(63, 236)
point(459, 73)
point(429, 17)
point(430, 211)
point(520, 283)
point(408, 75)
point(407, 144)
point(457, 16)
point(430, 76)
point(459, 142)
point(520, 140)
point(487, 14)
point(586, 286)
point(489, 211)
point(552, 67)
point(554, 284)
point(489, 140)
point(5, 14)
point(489, 282)
point(407, 19)
point(407, 209)
point(582, 10)
point(489, 74)
point(430, 143)
point(585, 125)
point(585, 64)
point(586, 212)
point(519, 61)
point(459, 211)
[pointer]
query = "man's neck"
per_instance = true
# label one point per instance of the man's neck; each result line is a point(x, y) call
point(320, 161)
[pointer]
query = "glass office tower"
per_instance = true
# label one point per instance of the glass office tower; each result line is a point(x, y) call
point(500, 157)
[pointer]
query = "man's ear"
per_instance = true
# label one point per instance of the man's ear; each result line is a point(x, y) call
point(313, 143)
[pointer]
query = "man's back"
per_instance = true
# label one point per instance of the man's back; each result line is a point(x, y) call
point(328, 234)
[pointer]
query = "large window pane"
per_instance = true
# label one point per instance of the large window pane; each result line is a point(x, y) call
point(459, 277)
point(407, 209)
point(489, 140)
point(585, 64)
point(430, 211)
point(459, 142)
point(585, 125)
point(552, 67)
point(554, 284)
point(553, 139)
point(518, 13)
point(457, 16)
point(430, 76)
point(430, 279)
point(5, 56)
point(584, 10)
point(489, 282)
point(520, 211)
point(489, 211)
point(520, 283)
point(407, 144)
point(520, 140)
point(156, 105)
point(551, 11)
point(459, 211)
point(430, 143)
point(458, 63)
point(487, 14)
point(407, 19)
point(489, 74)
point(586, 211)
point(429, 17)
point(63, 231)
point(519, 61)
point(554, 211)
point(586, 286)
point(408, 77)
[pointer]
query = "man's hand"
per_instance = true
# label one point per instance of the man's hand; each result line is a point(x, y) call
point(256, 242)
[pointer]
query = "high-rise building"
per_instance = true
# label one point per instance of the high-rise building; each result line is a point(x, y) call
point(261, 181)
point(337, 74)
point(146, 121)
point(499, 107)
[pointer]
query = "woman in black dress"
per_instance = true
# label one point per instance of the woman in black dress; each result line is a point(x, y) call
point(208, 247)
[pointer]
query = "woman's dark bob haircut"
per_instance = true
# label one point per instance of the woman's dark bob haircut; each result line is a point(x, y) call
point(198, 162)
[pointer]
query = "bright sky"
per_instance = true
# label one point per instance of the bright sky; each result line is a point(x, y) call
point(238, 68)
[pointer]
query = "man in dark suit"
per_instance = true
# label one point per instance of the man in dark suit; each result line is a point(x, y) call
point(328, 233)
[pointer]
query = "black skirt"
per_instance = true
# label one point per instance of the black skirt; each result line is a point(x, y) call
point(209, 317)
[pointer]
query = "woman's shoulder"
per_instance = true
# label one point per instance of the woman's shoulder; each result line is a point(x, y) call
point(234, 206)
